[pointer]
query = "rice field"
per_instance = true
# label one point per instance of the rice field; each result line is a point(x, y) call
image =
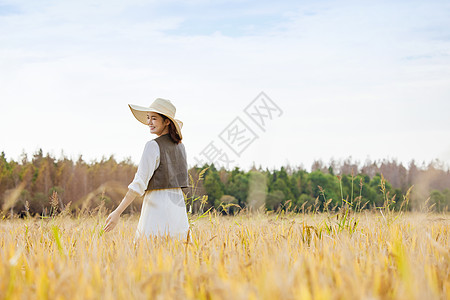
point(260, 256)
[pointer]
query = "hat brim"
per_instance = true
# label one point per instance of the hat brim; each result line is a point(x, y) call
point(140, 113)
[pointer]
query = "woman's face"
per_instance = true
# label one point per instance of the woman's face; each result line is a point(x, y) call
point(157, 124)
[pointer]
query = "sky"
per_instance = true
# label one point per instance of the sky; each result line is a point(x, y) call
point(324, 79)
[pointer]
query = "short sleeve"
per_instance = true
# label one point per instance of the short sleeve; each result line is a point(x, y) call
point(147, 166)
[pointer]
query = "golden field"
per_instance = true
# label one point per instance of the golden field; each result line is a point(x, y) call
point(368, 255)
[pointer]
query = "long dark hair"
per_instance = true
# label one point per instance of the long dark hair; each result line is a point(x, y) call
point(172, 130)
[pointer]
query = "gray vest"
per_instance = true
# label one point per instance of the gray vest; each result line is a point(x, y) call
point(172, 171)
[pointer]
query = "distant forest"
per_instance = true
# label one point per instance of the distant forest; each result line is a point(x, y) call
point(44, 185)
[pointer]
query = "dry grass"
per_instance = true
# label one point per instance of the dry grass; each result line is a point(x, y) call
point(243, 257)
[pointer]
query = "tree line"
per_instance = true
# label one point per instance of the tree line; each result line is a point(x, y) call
point(333, 185)
point(43, 184)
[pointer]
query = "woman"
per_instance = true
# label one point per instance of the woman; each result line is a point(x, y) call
point(161, 174)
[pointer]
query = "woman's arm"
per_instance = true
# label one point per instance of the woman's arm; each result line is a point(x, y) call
point(149, 162)
point(113, 217)
point(129, 197)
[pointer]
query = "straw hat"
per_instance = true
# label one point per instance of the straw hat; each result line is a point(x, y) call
point(161, 106)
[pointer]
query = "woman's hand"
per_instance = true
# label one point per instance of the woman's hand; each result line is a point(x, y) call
point(113, 217)
point(111, 221)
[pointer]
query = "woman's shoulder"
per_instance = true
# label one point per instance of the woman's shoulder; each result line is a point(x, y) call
point(151, 145)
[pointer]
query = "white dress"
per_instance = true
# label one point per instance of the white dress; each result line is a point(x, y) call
point(163, 211)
